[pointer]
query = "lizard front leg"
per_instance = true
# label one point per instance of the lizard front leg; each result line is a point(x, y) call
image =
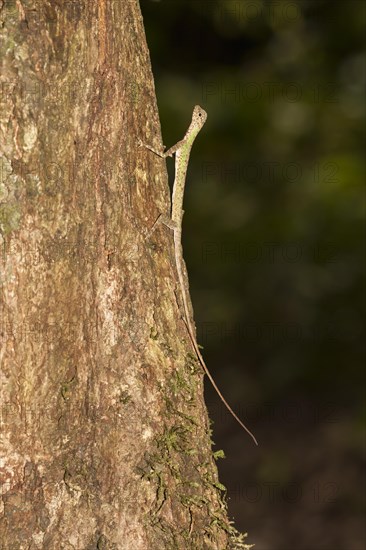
point(162, 154)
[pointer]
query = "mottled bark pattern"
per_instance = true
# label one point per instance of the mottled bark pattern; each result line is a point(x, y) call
point(105, 441)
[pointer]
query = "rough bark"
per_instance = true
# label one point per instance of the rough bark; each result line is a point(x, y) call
point(105, 437)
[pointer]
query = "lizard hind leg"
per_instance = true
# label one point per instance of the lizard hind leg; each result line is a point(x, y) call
point(168, 222)
point(161, 219)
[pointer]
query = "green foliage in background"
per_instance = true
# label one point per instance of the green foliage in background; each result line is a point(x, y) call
point(274, 243)
point(274, 210)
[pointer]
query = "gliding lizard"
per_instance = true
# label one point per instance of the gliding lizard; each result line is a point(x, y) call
point(182, 151)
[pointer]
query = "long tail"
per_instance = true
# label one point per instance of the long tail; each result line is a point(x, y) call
point(179, 255)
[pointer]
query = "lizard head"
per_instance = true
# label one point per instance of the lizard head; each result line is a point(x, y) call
point(199, 116)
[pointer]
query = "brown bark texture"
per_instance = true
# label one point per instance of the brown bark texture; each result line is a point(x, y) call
point(105, 439)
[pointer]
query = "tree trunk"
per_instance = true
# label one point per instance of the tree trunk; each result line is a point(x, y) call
point(105, 437)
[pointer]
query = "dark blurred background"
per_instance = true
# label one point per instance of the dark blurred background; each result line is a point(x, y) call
point(274, 244)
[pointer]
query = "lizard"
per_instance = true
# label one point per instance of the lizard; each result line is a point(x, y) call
point(182, 150)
